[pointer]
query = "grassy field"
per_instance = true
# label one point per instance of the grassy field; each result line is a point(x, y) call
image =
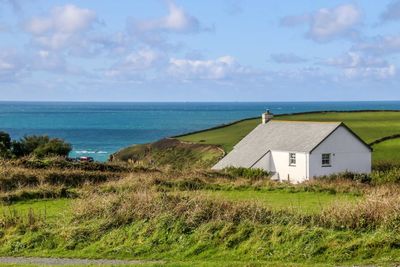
point(197, 218)
point(302, 202)
point(226, 137)
point(52, 209)
point(198, 150)
point(368, 125)
point(170, 153)
point(142, 217)
point(389, 149)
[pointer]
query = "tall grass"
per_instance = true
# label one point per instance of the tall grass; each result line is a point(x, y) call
point(380, 207)
point(144, 214)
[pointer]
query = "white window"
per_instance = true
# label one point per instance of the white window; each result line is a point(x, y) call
point(326, 160)
point(292, 159)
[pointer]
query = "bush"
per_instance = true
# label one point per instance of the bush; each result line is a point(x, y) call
point(40, 146)
point(246, 173)
point(61, 163)
point(356, 177)
point(385, 165)
point(388, 176)
point(56, 147)
point(5, 145)
point(5, 140)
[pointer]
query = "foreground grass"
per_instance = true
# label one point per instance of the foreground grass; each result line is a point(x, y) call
point(201, 218)
point(370, 126)
point(141, 223)
point(225, 263)
point(51, 209)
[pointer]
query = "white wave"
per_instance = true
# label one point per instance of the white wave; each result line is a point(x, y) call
point(90, 152)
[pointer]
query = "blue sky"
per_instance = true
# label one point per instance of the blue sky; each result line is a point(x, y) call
point(174, 50)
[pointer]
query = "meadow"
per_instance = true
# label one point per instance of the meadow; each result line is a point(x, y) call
point(197, 217)
point(370, 126)
point(154, 207)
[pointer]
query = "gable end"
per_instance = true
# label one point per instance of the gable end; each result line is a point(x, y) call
point(349, 130)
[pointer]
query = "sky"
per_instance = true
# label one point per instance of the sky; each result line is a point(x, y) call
point(209, 50)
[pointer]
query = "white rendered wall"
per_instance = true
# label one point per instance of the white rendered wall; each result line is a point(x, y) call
point(265, 163)
point(295, 174)
point(347, 154)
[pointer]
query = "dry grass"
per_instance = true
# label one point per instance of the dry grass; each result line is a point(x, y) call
point(143, 198)
point(119, 198)
point(380, 207)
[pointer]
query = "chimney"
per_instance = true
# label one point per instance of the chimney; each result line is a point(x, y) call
point(267, 116)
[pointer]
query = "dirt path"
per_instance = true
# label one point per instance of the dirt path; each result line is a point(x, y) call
point(68, 261)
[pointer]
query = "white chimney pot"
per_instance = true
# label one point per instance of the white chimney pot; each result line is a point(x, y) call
point(266, 117)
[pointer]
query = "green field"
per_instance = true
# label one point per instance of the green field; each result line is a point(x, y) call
point(370, 126)
point(198, 217)
point(303, 202)
point(387, 150)
point(52, 209)
point(225, 137)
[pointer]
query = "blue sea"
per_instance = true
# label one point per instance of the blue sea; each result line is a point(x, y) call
point(99, 129)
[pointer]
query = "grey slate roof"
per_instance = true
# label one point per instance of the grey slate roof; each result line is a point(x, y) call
point(293, 136)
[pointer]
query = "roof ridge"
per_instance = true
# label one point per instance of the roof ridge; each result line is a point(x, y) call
point(332, 122)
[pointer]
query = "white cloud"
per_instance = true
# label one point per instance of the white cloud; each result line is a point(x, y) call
point(63, 25)
point(225, 67)
point(354, 59)
point(328, 23)
point(386, 72)
point(357, 65)
point(11, 65)
point(381, 45)
point(177, 20)
point(48, 61)
point(137, 62)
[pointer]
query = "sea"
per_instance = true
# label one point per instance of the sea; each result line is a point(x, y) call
point(100, 129)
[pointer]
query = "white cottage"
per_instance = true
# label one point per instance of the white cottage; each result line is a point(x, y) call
point(297, 151)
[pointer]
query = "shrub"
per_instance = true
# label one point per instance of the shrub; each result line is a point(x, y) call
point(5, 140)
point(55, 147)
point(385, 165)
point(5, 145)
point(357, 177)
point(246, 173)
point(40, 145)
point(388, 176)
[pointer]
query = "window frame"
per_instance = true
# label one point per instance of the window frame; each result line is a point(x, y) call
point(328, 162)
point(292, 160)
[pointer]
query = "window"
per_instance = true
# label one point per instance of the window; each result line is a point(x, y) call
point(292, 159)
point(326, 160)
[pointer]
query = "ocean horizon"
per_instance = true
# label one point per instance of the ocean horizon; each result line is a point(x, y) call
point(98, 129)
